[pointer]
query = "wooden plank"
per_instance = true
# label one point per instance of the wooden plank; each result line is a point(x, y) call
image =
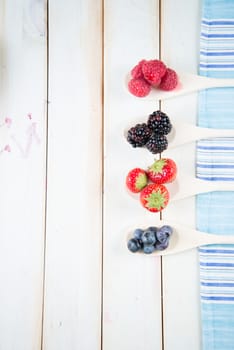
point(180, 272)
point(132, 299)
point(22, 175)
point(73, 254)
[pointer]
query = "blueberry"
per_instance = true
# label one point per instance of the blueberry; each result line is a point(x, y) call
point(162, 246)
point(138, 233)
point(152, 228)
point(164, 233)
point(167, 229)
point(140, 243)
point(148, 237)
point(148, 248)
point(162, 237)
point(133, 245)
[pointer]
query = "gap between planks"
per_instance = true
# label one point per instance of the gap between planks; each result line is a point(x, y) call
point(161, 216)
point(46, 170)
point(102, 166)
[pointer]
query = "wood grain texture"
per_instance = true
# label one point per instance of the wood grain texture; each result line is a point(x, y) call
point(80, 312)
point(132, 300)
point(73, 254)
point(180, 50)
point(22, 175)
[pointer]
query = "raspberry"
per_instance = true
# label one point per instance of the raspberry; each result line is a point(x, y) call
point(157, 143)
point(153, 71)
point(138, 135)
point(169, 81)
point(159, 122)
point(139, 87)
point(136, 72)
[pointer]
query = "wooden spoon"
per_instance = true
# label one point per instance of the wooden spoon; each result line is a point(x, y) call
point(187, 83)
point(185, 186)
point(184, 238)
point(183, 133)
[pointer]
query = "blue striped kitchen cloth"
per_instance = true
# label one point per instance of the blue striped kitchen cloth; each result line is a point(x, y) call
point(215, 162)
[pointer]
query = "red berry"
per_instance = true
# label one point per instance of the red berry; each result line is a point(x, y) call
point(136, 72)
point(139, 87)
point(153, 71)
point(136, 180)
point(162, 171)
point(169, 80)
point(154, 197)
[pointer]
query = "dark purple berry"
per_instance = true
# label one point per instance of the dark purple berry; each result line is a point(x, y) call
point(159, 123)
point(138, 135)
point(157, 143)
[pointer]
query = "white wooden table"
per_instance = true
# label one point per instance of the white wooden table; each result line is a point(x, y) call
point(67, 279)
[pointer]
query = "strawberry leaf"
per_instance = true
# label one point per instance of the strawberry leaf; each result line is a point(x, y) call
point(156, 200)
point(141, 181)
point(157, 167)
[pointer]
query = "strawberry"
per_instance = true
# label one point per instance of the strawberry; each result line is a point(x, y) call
point(136, 180)
point(162, 171)
point(154, 197)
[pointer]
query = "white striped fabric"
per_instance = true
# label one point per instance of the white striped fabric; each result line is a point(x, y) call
point(216, 274)
point(215, 162)
point(216, 46)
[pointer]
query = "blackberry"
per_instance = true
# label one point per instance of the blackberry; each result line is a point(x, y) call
point(157, 143)
point(159, 122)
point(138, 135)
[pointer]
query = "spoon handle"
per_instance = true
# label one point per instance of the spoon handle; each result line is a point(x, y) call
point(218, 239)
point(193, 82)
point(185, 238)
point(216, 82)
point(187, 186)
point(209, 132)
point(185, 133)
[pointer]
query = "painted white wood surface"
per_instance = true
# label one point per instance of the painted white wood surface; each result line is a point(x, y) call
point(73, 248)
point(22, 175)
point(180, 49)
point(132, 283)
point(132, 313)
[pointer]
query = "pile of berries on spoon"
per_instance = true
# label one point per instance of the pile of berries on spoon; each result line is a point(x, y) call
point(148, 74)
point(154, 195)
point(151, 134)
point(150, 239)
